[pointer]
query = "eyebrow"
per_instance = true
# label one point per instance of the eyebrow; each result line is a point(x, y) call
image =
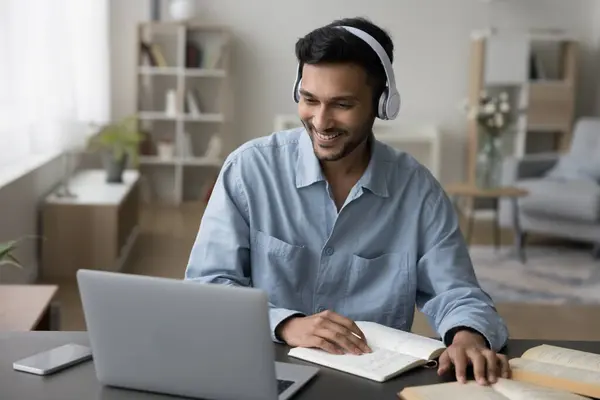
point(306, 93)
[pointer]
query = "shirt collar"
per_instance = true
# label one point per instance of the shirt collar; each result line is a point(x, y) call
point(308, 168)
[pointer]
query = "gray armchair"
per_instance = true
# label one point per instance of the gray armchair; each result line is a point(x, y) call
point(564, 189)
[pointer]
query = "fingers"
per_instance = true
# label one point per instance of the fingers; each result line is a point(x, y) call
point(324, 344)
point(492, 363)
point(479, 365)
point(340, 336)
point(459, 358)
point(504, 366)
point(444, 363)
point(346, 322)
point(335, 328)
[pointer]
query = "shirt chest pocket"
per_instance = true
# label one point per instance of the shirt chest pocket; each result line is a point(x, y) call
point(276, 264)
point(380, 287)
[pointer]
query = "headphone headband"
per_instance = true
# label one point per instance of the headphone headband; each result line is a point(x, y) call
point(376, 46)
point(389, 102)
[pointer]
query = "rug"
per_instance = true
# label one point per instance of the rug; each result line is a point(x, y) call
point(551, 275)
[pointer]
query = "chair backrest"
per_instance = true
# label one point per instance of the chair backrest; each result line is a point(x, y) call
point(586, 138)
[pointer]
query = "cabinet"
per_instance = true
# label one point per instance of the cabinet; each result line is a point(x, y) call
point(96, 229)
point(539, 70)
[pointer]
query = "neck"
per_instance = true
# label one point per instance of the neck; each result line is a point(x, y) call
point(354, 164)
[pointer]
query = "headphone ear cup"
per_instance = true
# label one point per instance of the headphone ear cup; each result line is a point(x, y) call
point(297, 91)
point(382, 106)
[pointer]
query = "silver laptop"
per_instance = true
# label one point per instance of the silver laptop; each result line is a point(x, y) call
point(184, 338)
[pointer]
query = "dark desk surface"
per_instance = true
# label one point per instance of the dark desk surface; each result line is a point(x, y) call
point(80, 382)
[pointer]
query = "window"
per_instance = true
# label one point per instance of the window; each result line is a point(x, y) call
point(54, 74)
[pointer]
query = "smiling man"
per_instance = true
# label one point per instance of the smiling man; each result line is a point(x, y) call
point(337, 227)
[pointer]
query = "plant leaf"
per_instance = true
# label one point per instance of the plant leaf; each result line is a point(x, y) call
point(8, 262)
point(7, 248)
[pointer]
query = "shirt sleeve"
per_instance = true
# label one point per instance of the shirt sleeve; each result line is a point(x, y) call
point(221, 250)
point(448, 292)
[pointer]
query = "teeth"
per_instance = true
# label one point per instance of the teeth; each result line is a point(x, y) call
point(327, 137)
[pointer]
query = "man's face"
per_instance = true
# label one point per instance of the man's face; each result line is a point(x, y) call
point(336, 108)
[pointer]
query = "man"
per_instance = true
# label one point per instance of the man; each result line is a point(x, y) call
point(337, 227)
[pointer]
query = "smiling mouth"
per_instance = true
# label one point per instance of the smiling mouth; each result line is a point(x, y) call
point(327, 138)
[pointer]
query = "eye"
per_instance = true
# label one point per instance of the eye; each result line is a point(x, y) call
point(310, 101)
point(344, 105)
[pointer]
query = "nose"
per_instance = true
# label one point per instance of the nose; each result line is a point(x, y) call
point(322, 119)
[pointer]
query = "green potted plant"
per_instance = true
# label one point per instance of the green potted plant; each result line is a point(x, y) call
point(6, 254)
point(119, 142)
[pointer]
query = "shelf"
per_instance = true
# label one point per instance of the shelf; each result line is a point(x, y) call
point(158, 115)
point(191, 161)
point(202, 162)
point(203, 117)
point(190, 72)
point(193, 59)
point(155, 160)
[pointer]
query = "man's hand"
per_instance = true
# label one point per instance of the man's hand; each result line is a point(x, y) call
point(326, 330)
point(469, 348)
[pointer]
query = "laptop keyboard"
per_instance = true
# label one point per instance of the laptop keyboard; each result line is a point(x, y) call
point(282, 385)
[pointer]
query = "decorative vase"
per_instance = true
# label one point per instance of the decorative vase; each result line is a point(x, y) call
point(114, 167)
point(489, 163)
point(166, 150)
point(182, 9)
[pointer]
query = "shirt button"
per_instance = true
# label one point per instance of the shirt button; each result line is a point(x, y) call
point(328, 251)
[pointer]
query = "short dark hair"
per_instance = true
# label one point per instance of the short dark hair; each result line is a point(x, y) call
point(329, 44)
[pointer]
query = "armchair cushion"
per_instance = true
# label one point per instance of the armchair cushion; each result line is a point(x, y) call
point(572, 200)
point(582, 162)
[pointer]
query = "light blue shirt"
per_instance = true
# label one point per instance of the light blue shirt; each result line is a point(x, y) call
point(271, 223)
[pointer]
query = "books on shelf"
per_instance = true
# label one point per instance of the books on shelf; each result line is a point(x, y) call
point(503, 389)
point(394, 352)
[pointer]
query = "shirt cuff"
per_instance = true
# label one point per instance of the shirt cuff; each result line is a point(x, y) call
point(495, 337)
point(279, 315)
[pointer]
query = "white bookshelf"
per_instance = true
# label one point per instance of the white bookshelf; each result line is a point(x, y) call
point(182, 60)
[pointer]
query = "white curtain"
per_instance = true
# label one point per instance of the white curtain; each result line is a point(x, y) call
point(54, 74)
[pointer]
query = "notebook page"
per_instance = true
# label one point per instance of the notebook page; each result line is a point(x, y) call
point(528, 391)
point(565, 357)
point(399, 341)
point(377, 365)
point(453, 391)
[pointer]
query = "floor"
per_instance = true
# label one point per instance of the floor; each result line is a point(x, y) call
point(167, 235)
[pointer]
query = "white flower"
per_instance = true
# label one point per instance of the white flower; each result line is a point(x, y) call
point(499, 119)
point(490, 108)
point(504, 107)
point(503, 96)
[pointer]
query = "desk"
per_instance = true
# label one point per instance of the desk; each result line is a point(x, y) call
point(80, 382)
point(28, 307)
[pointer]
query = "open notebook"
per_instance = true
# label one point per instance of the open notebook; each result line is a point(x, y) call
point(503, 389)
point(394, 352)
point(561, 368)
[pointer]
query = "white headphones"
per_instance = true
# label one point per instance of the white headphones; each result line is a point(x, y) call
point(389, 102)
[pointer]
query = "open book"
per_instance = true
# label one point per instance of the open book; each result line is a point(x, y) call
point(394, 352)
point(556, 367)
point(503, 389)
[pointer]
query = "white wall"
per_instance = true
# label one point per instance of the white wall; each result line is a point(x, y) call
point(431, 52)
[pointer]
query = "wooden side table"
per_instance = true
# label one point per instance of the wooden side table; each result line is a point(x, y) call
point(96, 229)
point(513, 193)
